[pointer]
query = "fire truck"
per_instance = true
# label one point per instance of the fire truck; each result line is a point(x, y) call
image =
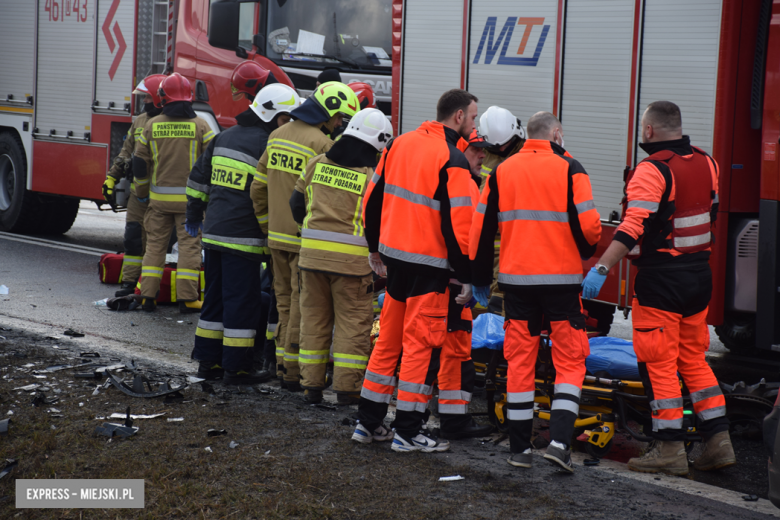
point(68, 67)
point(597, 65)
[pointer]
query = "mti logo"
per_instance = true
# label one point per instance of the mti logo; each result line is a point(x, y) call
point(487, 44)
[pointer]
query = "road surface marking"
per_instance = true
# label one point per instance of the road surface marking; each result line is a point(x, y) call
point(74, 248)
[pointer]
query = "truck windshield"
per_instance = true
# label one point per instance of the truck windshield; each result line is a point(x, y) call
point(330, 31)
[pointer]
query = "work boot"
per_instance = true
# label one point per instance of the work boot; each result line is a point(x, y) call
point(190, 307)
point(313, 396)
point(347, 398)
point(663, 457)
point(718, 453)
point(471, 430)
point(148, 305)
point(521, 460)
point(559, 454)
point(292, 386)
point(125, 289)
point(243, 377)
point(210, 370)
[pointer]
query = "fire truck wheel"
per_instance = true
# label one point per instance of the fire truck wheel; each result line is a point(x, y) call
point(17, 205)
point(57, 215)
point(603, 313)
point(738, 333)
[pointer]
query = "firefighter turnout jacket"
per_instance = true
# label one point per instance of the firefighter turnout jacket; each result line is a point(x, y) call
point(169, 146)
point(220, 181)
point(418, 206)
point(290, 147)
point(541, 201)
point(671, 201)
point(117, 170)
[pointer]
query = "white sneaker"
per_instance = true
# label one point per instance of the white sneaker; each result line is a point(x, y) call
point(363, 436)
point(423, 441)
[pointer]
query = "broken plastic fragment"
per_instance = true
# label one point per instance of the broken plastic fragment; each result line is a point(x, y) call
point(750, 498)
point(216, 433)
point(4, 424)
point(10, 464)
point(233, 445)
point(73, 334)
point(175, 419)
point(450, 479)
point(3, 289)
point(28, 388)
point(138, 390)
point(112, 429)
point(193, 379)
point(208, 449)
point(124, 416)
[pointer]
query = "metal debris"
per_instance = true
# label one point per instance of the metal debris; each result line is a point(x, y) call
point(112, 429)
point(137, 390)
point(451, 479)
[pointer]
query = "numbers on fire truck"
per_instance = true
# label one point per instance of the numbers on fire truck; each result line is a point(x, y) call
point(60, 9)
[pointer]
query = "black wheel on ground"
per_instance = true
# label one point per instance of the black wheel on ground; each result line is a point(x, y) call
point(738, 333)
point(603, 313)
point(17, 205)
point(597, 452)
point(57, 215)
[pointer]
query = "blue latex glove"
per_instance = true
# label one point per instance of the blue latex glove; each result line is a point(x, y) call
point(193, 229)
point(381, 300)
point(482, 294)
point(144, 200)
point(591, 286)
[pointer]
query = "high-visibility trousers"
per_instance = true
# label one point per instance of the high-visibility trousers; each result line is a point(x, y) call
point(456, 370)
point(413, 327)
point(135, 239)
point(526, 311)
point(287, 289)
point(159, 225)
point(343, 302)
point(670, 336)
point(231, 313)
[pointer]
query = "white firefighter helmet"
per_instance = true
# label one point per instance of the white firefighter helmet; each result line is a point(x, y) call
point(498, 126)
point(371, 126)
point(273, 100)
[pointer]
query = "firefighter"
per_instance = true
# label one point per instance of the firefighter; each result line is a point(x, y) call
point(543, 198)
point(506, 136)
point(235, 248)
point(248, 78)
point(417, 213)
point(670, 204)
point(135, 236)
point(474, 150)
point(336, 279)
point(289, 149)
point(328, 75)
point(165, 152)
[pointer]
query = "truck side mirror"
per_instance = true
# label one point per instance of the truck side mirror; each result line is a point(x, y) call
point(223, 24)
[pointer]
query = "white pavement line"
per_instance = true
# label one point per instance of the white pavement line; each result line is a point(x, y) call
point(54, 245)
point(681, 484)
point(54, 242)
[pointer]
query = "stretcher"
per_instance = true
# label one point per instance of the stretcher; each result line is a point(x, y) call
point(606, 405)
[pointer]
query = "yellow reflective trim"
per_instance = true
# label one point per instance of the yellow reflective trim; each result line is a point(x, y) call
point(173, 286)
point(310, 193)
point(293, 146)
point(142, 138)
point(261, 177)
point(358, 232)
point(238, 342)
point(262, 219)
point(205, 333)
point(193, 153)
point(352, 356)
point(322, 245)
point(168, 198)
point(156, 163)
point(208, 136)
point(348, 365)
point(281, 237)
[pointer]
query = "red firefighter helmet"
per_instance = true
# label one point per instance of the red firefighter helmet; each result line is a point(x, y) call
point(151, 85)
point(175, 88)
point(364, 93)
point(248, 77)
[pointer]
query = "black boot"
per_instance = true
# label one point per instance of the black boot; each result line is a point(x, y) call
point(125, 289)
point(210, 370)
point(243, 377)
point(470, 430)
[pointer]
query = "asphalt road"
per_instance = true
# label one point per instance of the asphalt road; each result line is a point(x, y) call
point(54, 280)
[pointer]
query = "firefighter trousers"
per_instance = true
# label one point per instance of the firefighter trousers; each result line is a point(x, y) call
point(413, 327)
point(159, 225)
point(287, 289)
point(346, 303)
point(231, 314)
point(135, 239)
point(670, 336)
point(456, 370)
point(527, 309)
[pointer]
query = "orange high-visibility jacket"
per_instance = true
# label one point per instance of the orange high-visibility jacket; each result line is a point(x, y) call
point(654, 213)
point(418, 206)
point(542, 203)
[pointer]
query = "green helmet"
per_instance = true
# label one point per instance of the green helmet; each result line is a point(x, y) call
point(336, 97)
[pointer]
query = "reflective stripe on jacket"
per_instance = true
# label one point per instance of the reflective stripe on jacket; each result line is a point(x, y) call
point(117, 171)
point(290, 147)
point(542, 203)
point(170, 146)
point(220, 183)
point(418, 206)
point(333, 238)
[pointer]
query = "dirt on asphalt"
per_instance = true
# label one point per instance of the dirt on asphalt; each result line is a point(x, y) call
point(292, 460)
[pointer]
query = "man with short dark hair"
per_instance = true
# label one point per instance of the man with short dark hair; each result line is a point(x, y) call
point(670, 204)
point(543, 197)
point(417, 213)
point(328, 75)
